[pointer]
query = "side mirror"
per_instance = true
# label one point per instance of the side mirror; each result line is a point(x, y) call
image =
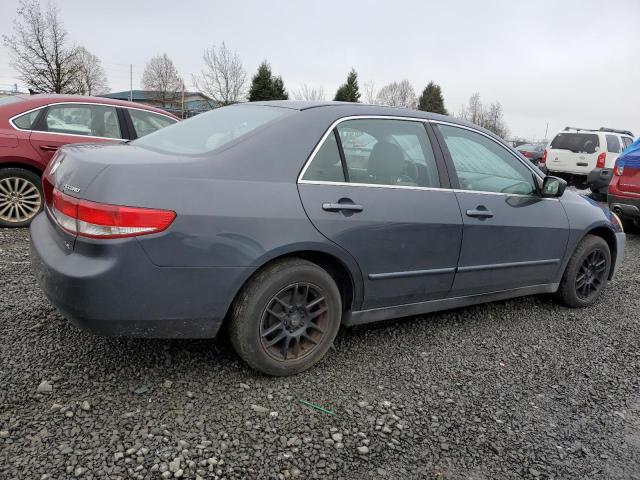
point(553, 187)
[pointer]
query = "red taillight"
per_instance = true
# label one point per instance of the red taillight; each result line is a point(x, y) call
point(601, 160)
point(47, 189)
point(527, 154)
point(544, 157)
point(101, 220)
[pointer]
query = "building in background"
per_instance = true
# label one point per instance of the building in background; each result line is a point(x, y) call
point(192, 103)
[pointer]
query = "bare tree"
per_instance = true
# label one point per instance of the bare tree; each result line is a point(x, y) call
point(90, 78)
point(161, 76)
point(223, 78)
point(40, 51)
point(398, 94)
point(308, 93)
point(370, 95)
point(491, 117)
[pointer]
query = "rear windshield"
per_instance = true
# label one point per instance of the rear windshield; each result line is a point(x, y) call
point(209, 131)
point(576, 142)
point(10, 99)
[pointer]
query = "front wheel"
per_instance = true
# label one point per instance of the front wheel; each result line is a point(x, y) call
point(20, 197)
point(587, 272)
point(286, 318)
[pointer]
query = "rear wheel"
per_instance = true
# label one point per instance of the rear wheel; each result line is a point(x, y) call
point(286, 318)
point(586, 275)
point(20, 197)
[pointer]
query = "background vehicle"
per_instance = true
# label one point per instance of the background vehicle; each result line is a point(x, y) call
point(533, 152)
point(256, 213)
point(624, 190)
point(575, 152)
point(33, 128)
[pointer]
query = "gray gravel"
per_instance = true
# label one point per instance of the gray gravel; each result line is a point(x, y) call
point(517, 389)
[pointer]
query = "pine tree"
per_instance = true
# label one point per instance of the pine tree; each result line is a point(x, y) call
point(278, 92)
point(349, 92)
point(261, 84)
point(431, 99)
point(264, 86)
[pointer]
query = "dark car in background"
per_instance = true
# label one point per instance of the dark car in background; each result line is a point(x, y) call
point(287, 220)
point(533, 152)
point(33, 128)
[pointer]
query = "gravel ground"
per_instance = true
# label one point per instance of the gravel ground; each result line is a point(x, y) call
point(517, 389)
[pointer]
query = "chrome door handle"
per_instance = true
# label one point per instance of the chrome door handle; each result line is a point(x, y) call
point(480, 213)
point(49, 148)
point(336, 207)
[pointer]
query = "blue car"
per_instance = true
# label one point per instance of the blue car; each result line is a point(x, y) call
point(286, 220)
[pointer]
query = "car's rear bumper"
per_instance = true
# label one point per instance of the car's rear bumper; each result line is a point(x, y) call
point(112, 288)
point(625, 207)
point(599, 179)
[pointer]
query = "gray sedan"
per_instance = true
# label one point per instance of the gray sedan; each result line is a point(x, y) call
point(285, 220)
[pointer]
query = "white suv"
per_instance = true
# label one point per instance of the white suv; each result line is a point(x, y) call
point(578, 151)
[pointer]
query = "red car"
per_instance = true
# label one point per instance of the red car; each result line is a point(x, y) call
point(33, 127)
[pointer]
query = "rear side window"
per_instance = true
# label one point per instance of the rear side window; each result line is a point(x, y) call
point(326, 165)
point(83, 119)
point(26, 120)
point(483, 165)
point(613, 144)
point(388, 152)
point(212, 130)
point(576, 142)
point(627, 141)
point(145, 122)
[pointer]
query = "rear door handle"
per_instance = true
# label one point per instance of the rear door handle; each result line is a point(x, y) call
point(480, 212)
point(336, 207)
point(49, 148)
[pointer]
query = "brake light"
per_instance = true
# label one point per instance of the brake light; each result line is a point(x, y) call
point(544, 157)
point(601, 160)
point(527, 154)
point(101, 220)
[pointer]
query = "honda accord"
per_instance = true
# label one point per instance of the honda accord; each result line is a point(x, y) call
point(286, 220)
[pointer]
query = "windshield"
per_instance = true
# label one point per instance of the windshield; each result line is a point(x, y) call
point(209, 131)
point(576, 142)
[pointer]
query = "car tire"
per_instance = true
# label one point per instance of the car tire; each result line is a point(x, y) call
point(586, 274)
point(271, 329)
point(631, 226)
point(21, 197)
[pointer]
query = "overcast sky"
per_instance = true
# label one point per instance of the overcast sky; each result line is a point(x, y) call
point(557, 61)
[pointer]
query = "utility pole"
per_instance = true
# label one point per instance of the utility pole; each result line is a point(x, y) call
point(546, 130)
point(131, 82)
point(182, 100)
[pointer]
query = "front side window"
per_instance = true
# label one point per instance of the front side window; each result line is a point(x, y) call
point(613, 144)
point(76, 119)
point(26, 120)
point(388, 152)
point(211, 130)
point(145, 122)
point(483, 165)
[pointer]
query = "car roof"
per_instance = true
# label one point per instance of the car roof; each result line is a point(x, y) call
point(38, 100)
point(347, 109)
